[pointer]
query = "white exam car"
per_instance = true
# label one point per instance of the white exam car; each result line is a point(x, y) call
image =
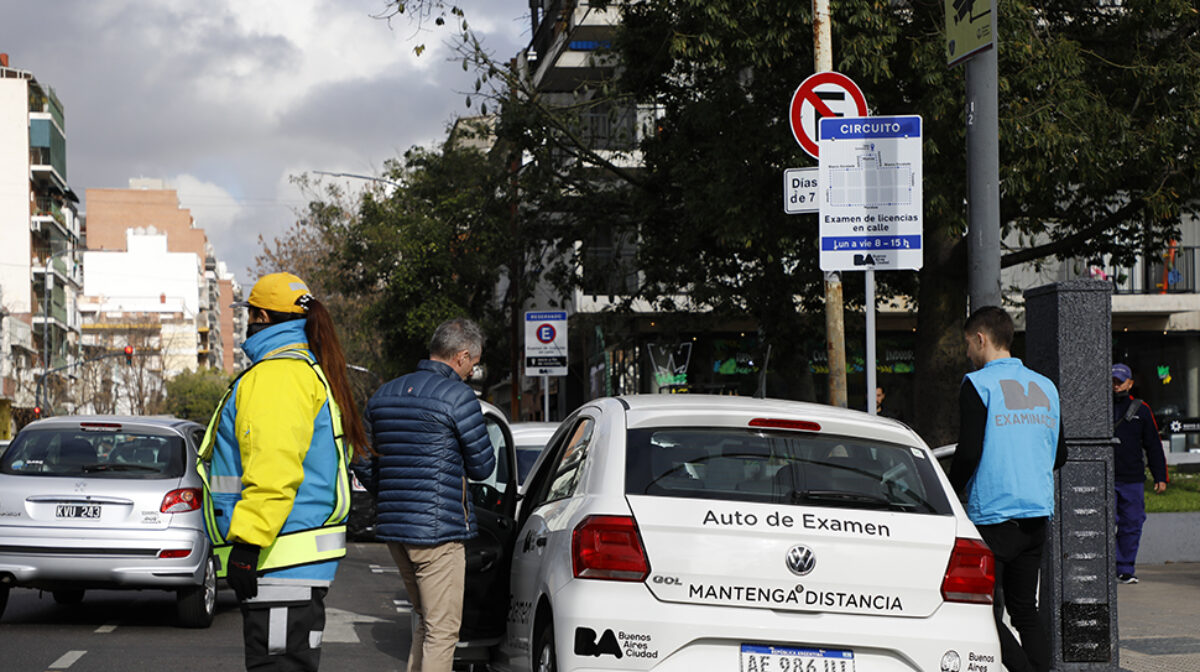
point(688, 532)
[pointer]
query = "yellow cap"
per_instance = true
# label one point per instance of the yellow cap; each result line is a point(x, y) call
point(280, 292)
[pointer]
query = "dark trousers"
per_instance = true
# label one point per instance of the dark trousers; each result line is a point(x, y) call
point(284, 636)
point(1131, 514)
point(1017, 545)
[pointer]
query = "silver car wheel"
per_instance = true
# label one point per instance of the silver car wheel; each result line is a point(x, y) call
point(210, 586)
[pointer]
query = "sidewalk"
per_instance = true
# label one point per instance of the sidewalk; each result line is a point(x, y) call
point(1158, 619)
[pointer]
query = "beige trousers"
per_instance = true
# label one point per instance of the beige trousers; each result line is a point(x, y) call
point(433, 577)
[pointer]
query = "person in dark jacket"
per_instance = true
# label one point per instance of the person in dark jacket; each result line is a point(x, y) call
point(1137, 435)
point(429, 433)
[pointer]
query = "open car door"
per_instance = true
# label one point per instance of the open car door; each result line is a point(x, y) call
point(489, 554)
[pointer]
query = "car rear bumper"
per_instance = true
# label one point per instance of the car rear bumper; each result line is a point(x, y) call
point(44, 558)
point(669, 636)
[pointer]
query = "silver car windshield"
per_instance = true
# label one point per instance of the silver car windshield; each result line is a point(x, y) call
point(75, 452)
point(781, 467)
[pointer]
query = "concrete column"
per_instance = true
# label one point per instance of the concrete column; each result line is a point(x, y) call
point(1068, 338)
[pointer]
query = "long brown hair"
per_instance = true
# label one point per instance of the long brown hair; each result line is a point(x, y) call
point(323, 341)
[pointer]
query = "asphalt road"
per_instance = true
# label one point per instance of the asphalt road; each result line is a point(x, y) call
point(367, 627)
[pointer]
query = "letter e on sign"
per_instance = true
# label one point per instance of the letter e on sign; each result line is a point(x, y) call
point(546, 333)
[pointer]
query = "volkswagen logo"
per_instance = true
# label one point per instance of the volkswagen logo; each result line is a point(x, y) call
point(801, 560)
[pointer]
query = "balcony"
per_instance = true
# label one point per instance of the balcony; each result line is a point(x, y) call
point(46, 169)
point(1157, 292)
point(571, 44)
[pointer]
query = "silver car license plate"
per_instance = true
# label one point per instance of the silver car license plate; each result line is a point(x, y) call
point(77, 511)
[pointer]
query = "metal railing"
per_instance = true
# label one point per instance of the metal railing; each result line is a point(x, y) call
point(1170, 271)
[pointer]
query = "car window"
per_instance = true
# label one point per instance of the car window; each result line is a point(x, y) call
point(781, 467)
point(570, 461)
point(76, 452)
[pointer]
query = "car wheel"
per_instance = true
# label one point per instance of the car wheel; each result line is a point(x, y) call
point(69, 596)
point(195, 606)
point(547, 661)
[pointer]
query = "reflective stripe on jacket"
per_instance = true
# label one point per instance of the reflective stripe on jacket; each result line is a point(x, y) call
point(276, 462)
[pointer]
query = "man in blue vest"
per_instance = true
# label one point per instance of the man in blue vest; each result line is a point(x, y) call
point(1010, 442)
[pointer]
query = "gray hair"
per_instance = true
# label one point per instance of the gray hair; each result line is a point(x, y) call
point(455, 335)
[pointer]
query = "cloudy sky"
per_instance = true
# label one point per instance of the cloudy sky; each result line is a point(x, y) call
point(226, 99)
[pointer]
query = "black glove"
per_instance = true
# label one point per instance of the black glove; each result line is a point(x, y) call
point(242, 573)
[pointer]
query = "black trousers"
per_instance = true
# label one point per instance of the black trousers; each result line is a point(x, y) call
point(1017, 545)
point(284, 636)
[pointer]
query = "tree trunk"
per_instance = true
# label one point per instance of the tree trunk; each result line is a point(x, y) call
point(940, 350)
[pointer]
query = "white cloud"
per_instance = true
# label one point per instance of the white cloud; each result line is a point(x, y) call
point(228, 99)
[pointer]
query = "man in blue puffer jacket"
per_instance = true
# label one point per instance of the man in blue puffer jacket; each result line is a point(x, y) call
point(428, 430)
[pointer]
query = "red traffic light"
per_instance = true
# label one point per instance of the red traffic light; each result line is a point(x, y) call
point(37, 411)
point(129, 355)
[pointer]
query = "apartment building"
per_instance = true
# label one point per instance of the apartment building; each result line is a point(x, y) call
point(148, 207)
point(40, 276)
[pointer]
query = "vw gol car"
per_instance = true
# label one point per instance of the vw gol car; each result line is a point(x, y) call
point(106, 502)
point(680, 532)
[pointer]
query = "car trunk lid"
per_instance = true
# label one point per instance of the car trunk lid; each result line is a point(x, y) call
point(794, 558)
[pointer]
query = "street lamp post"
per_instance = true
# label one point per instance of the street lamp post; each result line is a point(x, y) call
point(358, 177)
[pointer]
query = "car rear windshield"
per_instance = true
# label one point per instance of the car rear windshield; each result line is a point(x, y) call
point(76, 452)
point(783, 468)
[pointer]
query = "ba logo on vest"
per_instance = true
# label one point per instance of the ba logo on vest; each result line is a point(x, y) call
point(1017, 398)
point(873, 259)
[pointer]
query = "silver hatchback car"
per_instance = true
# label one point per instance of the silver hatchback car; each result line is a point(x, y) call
point(106, 502)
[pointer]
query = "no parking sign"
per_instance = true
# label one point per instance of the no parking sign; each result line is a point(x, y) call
point(546, 344)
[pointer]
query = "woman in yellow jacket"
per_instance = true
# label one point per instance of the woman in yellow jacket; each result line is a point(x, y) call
point(278, 448)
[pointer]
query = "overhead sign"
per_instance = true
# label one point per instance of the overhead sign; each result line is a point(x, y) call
point(825, 94)
point(800, 190)
point(546, 344)
point(870, 196)
point(970, 28)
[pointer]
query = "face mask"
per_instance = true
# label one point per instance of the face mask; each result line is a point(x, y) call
point(252, 329)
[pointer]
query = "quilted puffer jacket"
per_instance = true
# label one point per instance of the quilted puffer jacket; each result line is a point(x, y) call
point(429, 434)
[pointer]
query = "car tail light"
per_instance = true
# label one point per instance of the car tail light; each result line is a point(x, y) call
point(181, 501)
point(175, 553)
point(100, 426)
point(780, 423)
point(971, 574)
point(608, 547)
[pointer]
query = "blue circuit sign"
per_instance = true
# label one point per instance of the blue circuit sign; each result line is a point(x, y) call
point(870, 194)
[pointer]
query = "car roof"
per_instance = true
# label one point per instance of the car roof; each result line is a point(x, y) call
point(702, 409)
point(132, 421)
point(527, 432)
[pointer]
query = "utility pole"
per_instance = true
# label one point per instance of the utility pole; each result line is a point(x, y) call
point(835, 325)
point(983, 180)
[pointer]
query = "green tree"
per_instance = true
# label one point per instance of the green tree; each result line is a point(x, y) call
point(1100, 108)
point(1099, 115)
point(194, 395)
point(438, 246)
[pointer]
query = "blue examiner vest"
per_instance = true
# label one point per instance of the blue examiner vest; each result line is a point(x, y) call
point(1015, 477)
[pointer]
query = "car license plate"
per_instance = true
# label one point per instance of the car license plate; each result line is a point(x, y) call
point(77, 511)
point(760, 658)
